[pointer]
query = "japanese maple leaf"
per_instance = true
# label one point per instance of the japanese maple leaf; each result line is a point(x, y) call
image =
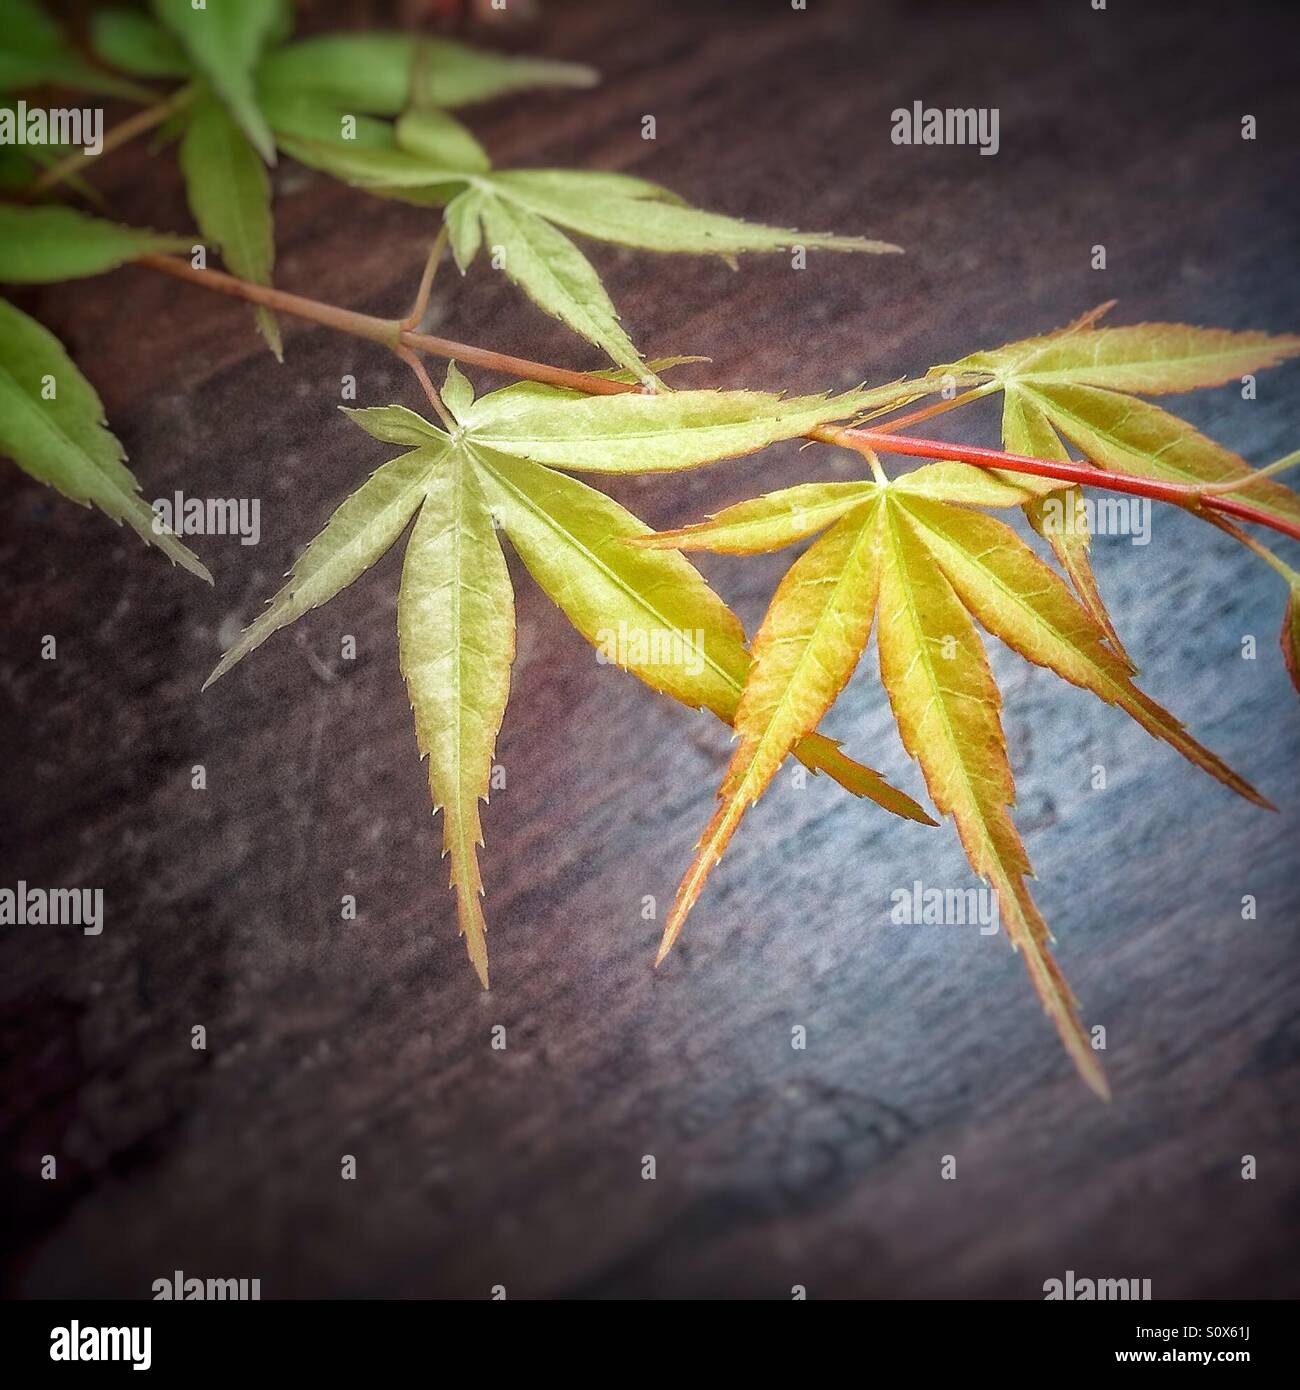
point(1084, 384)
point(499, 466)
point(915, 557)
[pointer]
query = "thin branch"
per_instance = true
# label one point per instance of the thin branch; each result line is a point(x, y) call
point(1088, 475)
point(515, 366)
point(386, 331)
point(430, 389)
point(1272, 561)
point(391, 333)
point(377, 330)
point(118, 136)
point(941, 407)
point(1235, 484)
point(412, 320)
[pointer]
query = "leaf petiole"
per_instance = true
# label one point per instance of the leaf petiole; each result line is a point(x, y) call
point(412, 320)
point(941, 407)
point(1280, 466)
point(430, 390)
point(147, 119)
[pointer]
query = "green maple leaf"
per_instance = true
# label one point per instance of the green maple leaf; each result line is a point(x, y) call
point(430, 159)
point(138, 45)
point(914, 554)
point(642, 215)
point(358, 149)
point(373, 73)
point(433, 135)
point(301, 90)
point(551, 271)
point(455, 608)
point(518, 214)
point(51, 421)
point(222, 144)
point(40, 245)
point(52, 426)
point(225, 42)
point(35, 51)
point(322, 101)
point(229, 193)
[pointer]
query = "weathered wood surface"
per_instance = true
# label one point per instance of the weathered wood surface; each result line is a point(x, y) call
point(775, 1167)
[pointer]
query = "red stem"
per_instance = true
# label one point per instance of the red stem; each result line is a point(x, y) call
point(1086, 474)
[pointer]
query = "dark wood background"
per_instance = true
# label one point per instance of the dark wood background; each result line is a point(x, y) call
point(775, 1167)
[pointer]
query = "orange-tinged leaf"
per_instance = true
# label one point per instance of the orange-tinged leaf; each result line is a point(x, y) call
point(1061, 521)
point(1083, 381)
point(1021, 600)
point(1291, 636)
point(947, 706)
point(778, 519)
point(821, 754)
point(1134, 436)
point(810, 641)
point(1143, 358)
point(806, 649)
point(1088, 319)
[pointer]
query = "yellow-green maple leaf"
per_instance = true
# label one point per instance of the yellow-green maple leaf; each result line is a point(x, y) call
point(455, 606)
point(933, 666)
point(1021, 600)
point(804, 652)
point(1135, 436)
point(456, 625)
point(931, 563)
point(1083, 381)
point(1062, 522)
point(1153, 359)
